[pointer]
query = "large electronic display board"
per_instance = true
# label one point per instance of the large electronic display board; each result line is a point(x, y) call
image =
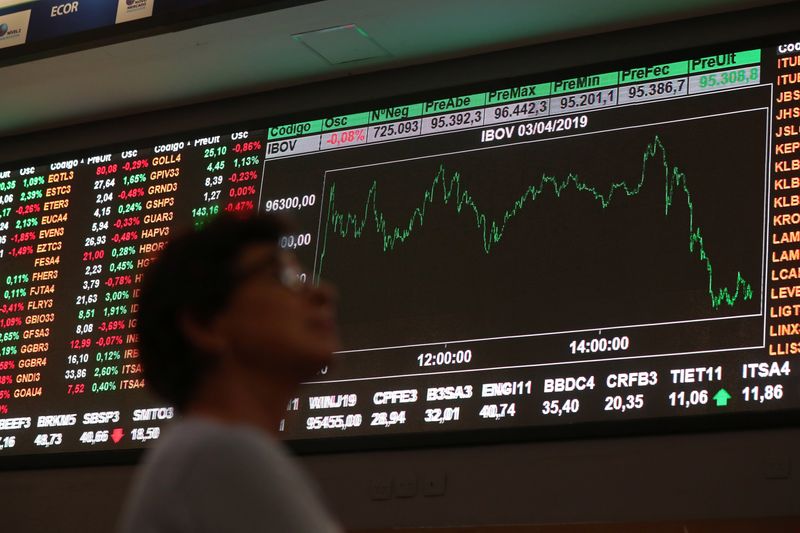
point(588, 247)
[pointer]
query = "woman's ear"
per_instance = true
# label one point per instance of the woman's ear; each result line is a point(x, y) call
point(207, 338)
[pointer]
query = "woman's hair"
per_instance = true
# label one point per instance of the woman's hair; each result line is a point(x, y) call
point(193, 277)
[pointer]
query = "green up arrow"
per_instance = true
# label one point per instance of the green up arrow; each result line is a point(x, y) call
point(722, 397)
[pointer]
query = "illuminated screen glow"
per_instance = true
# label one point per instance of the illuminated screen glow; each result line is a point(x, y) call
point(622, 246)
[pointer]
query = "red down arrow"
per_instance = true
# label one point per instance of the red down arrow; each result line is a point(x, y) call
point(117, 435)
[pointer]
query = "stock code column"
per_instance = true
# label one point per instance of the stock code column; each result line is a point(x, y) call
point(34, 210)
point(784, 294)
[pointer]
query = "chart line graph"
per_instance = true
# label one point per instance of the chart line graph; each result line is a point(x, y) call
point(447, 189)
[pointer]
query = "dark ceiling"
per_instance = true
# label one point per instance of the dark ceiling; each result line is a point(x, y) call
point(258, 53)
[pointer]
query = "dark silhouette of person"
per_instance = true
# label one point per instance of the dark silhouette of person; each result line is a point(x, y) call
point(228, 329)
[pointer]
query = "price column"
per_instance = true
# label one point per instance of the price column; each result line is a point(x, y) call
point(213, 166)
point(86, 371)
point(230, 165)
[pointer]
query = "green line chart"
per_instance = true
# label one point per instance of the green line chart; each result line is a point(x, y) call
point(448, 190)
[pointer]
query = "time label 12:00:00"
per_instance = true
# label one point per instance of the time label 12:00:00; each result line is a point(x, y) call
point(444, 358)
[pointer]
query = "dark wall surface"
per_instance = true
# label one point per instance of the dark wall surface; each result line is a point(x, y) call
point(726, 475)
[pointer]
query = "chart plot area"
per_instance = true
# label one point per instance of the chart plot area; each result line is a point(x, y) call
point(631, 226)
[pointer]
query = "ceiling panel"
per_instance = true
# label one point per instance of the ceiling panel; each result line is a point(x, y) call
point(257, 53)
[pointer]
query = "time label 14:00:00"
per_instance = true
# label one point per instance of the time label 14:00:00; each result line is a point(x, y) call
point(613, 344)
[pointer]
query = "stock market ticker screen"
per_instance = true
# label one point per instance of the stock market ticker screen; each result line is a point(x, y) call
point(614, 246)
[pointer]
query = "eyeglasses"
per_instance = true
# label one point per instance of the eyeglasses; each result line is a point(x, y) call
point(279, 269)
point(292, 278)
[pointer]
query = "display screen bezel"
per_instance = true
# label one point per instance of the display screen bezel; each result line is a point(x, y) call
point(584, 430)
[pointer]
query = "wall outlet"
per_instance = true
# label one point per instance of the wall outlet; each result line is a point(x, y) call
point(406, 486)
point(380, 488)
point(434, 484)
point(777, 468)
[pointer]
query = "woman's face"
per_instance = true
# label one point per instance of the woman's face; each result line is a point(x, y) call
point(275, 322)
